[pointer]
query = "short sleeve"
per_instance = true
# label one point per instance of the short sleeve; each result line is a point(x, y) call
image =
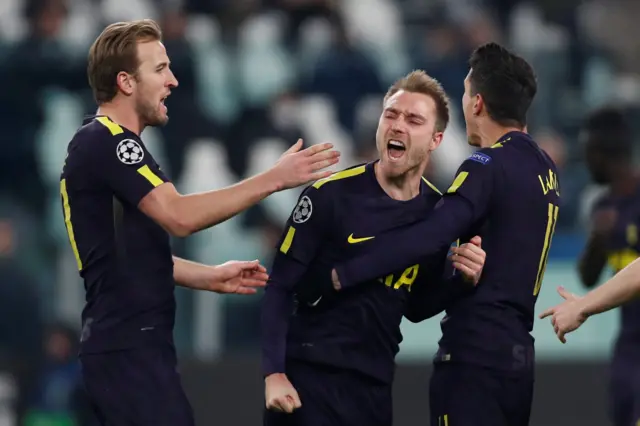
point(127, 168)
point(307, 226)
point(474, 181)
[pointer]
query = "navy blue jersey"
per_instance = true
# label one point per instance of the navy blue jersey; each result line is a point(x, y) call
point(359, 329)
point(123, 256)
point(623, 247)
point(509, 195)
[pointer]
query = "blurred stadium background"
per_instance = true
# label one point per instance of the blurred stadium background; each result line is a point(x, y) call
point(254, 76)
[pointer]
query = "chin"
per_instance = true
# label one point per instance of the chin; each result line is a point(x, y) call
point(158, 121)
point(473, 140)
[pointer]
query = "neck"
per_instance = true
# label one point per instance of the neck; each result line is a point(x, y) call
point(401, 188)
point(123, 114)
point(624, 181)
point(490, 133)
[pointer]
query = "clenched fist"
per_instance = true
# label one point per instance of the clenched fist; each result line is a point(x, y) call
point(280, 395)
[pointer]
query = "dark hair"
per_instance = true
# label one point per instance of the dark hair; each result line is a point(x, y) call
point(609, 129)
point(115, 50)
point(419, 81)
point(505, 81)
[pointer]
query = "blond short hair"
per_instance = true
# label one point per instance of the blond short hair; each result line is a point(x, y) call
point(114, 51)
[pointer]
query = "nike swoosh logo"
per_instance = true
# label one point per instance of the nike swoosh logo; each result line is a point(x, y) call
point(352, 240)
point(316, 302)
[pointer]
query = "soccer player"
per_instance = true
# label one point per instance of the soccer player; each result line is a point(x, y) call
point(330, 356)
point(613, 238)
point(507, 192)
point(120, 208)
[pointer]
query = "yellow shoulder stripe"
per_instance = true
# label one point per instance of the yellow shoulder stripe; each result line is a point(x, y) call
point(288, 240)
point(113, 127)
point(150, 176)
point(432, 186)
point(459, 180)
point(340, 175)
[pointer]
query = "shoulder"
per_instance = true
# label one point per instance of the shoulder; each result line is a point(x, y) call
point(101, 128)
point(320, 195)
point(488, 156)
point(482, 162)
point(339, 182)
point(344, 178)
point(102, 137)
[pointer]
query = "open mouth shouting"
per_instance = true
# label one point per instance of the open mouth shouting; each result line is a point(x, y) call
point(395, 149)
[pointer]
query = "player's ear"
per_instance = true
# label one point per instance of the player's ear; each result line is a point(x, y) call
point(436, 140)
point(478, 104)
point(126, 82)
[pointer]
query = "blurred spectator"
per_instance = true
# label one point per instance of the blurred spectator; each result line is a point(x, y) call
point(20, 309)
point(345, 74)
point(570, 182)
point(299, 11)
point(32, 65)
point(277, 120)
point(21, 323)
point(187, 122)
point(57, 397)
point(444, 55)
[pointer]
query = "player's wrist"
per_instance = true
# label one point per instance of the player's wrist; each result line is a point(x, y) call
point(583, 310)
point(273, 180)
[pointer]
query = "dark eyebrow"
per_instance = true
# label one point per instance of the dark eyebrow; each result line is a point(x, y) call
point(411, 115)
point(418, 116)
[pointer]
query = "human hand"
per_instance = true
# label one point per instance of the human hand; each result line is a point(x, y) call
point(296, 167)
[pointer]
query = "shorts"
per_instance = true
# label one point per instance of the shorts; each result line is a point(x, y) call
point(467, 395)
point(136, 387)
point(334, 397)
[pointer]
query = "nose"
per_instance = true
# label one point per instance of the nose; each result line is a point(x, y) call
point(398, 128)
point(173, 81)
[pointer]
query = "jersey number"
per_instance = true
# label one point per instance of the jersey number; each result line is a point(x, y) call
point(407, 278)
point(67, 221)
point(552, 218)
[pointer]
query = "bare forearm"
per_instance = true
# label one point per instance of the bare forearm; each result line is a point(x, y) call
point(620, 289)
point(188, 274)
point(206, 209)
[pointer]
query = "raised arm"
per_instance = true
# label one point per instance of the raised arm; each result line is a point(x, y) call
point(463, 205)
point(140, 182)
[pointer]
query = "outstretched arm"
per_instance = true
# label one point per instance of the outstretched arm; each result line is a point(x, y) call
point(464, 204)
point(574, 311)
point(141, 183)
point(446, 281)
point(182, 215)
point(239, 277)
